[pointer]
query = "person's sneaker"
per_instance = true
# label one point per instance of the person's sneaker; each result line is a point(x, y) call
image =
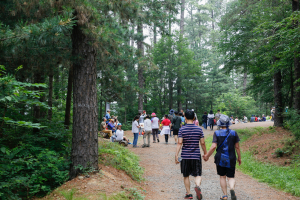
point(129, 143)
point(148, 145)
point(198, 192)
point(188, 196)
point(157, 140)
point(144, 145)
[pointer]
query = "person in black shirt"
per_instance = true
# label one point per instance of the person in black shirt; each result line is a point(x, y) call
point(204, 120)
point(176, 122)
point(227, 143)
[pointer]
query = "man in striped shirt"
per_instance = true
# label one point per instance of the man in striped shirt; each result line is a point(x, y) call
point(189, 137)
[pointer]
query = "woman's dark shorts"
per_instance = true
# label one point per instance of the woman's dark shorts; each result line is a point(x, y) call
point(224, 171)
point(191, 167)
point(175, 132)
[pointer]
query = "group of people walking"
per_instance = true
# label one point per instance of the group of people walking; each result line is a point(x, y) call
point(145, 125)
point(210, 119)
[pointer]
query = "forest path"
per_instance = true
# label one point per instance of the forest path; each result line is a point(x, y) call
point(164, 180)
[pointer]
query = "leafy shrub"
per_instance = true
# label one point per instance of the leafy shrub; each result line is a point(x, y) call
point(292, 122)
point(29, 170)
point(111, 153)
point(279, 152)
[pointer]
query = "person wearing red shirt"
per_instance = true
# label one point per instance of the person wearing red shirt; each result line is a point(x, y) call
point(255, 118)
point(166, 128)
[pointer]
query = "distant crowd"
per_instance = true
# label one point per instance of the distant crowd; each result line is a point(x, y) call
point(168, 126)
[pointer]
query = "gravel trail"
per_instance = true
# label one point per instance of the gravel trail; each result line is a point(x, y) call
point(164, 180)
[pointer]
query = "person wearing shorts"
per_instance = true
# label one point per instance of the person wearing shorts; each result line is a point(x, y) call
point(226, 141)
point(176, 123)
point(188, 139)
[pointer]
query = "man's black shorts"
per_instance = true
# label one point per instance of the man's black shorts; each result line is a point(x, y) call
point(175, 132)
point(191, 167)
point(224, 171)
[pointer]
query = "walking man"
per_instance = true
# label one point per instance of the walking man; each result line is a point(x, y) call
point(227, 143)
point(155, 127)
point(148, 130)
point(176, 122)
point(188, 138)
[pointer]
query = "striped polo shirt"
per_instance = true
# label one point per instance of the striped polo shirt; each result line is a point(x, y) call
point(191, 135)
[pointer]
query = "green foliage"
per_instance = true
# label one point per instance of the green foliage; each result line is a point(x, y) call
point(28, 170)
point(133, 193)
point(245, 134)
point(234, 103)
point(68, 194)
point(121, 158)
point(284, 178)
point(292, 122)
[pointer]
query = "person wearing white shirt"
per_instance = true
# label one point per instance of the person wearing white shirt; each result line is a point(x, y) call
point(135, 130)
point(120, 134)
point(148, 131)
point(155, 127)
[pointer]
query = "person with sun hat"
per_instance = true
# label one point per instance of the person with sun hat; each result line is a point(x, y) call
point(226, 141)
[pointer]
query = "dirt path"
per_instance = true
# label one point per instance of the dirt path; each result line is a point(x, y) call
point(164, 180)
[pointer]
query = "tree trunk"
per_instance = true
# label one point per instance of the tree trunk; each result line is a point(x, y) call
point(37, 111)
point(244, 84)
point(291, 99)
point(56, 83)
point(85, 117)
point(179, 89)
point(140, 48)
point(170, 93)
point(182, 17)
point(278, 119)
point(50, 94)
point(154, 34)
point(69, 98)
point(295, 6)
point(212, 20)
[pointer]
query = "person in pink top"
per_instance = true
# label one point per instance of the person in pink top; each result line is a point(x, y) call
point(196, 122)
point(166, 128)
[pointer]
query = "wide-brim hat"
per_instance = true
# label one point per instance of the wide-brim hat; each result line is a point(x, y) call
point(224, 121)
point(153, 114)
point(119, 124)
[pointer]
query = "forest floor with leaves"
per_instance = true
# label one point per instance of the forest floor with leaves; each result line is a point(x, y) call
point(163, 179)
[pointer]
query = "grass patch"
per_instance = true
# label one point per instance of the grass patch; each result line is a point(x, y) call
point(119, 157)
point(208, 141)
point(128, 194)
point(284, 178)
point(131, 193)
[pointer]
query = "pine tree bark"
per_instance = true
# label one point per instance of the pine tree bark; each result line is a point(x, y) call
point(38, 113)
point(140, 47)
point(50, 95)
point(85, 117)
point(182, 17)
point(295, 7)
point(245, 84)
point(179, 89)
point(278, 118)
point(69, 99)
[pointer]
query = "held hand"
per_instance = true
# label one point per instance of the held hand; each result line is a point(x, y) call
point(240, 161)
point(205, 157)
